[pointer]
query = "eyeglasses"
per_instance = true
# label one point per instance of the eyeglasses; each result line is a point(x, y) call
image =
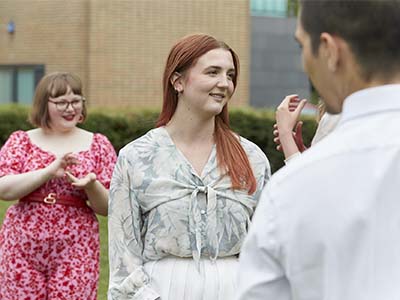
point(64, 104)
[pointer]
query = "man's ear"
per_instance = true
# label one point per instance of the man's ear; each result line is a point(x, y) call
point(330, 49)
point(176, 81)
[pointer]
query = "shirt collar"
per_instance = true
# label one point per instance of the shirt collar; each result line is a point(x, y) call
point(371, 101)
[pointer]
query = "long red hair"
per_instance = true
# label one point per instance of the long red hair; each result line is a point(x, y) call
point(230, 153)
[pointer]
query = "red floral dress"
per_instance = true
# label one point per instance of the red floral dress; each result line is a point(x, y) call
point(51, 251)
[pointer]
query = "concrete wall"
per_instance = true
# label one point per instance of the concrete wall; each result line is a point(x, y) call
point(276, 68)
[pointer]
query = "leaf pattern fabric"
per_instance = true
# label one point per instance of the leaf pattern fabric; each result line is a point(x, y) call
point(160, 207)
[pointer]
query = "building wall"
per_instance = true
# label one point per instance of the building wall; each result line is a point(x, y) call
point(276, 68)
point(49, 32)
point(119, 47)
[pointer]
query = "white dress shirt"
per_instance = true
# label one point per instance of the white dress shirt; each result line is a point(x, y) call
point(328, 225)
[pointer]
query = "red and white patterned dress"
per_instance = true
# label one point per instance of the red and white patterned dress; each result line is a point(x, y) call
point(51, 251)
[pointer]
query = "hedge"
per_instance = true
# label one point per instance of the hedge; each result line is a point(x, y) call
point(121, 127)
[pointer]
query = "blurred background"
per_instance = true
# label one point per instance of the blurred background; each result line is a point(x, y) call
point(119, 47)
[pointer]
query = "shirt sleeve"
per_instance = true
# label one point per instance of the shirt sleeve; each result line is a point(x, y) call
point(267, 175)
point(292, 157)
point(128, 280)
point(105, 160)
point(12, 155)
point(261, 169)
point(261, 275)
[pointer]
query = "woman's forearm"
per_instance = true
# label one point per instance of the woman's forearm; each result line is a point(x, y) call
point(288, 144)
point(14, 187)
point(98, 197)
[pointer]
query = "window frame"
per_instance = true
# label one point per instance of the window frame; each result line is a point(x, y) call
point(38, 73)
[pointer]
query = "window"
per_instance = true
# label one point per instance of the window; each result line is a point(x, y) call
point(274, 8)
point(18, 82)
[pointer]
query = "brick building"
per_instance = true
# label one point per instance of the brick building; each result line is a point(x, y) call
point(117, 47)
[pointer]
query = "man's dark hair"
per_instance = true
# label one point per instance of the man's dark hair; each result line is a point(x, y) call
point(370, 27)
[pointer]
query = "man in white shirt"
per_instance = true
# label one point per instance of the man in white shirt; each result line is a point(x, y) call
point(328, 225)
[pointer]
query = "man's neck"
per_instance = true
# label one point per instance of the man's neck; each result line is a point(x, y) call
point(378, 81)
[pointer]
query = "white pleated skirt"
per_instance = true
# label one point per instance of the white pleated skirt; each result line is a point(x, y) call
point(177, 278)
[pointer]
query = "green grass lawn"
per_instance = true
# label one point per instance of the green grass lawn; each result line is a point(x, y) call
point(103, 282)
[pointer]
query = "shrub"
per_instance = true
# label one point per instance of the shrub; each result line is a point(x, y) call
point(121, 127)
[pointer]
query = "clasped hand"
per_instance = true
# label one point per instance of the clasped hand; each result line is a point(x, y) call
point(287, 121)
point(59, 168)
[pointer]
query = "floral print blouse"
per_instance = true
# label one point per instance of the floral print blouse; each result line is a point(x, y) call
point(159, 206)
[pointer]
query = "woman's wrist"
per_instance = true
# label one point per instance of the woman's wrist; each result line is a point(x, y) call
point(285, 131)
point(291, 157)
point(286, 136)
point(92, 180)
point(46, 174)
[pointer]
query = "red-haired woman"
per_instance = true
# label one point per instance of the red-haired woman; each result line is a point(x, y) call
point(182, 195)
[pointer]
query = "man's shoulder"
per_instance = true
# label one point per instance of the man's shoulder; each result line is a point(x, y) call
point(312, 160)
point(346, 159)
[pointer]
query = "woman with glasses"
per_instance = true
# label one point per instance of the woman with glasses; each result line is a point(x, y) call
point(49, 241)
point(182, 195)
